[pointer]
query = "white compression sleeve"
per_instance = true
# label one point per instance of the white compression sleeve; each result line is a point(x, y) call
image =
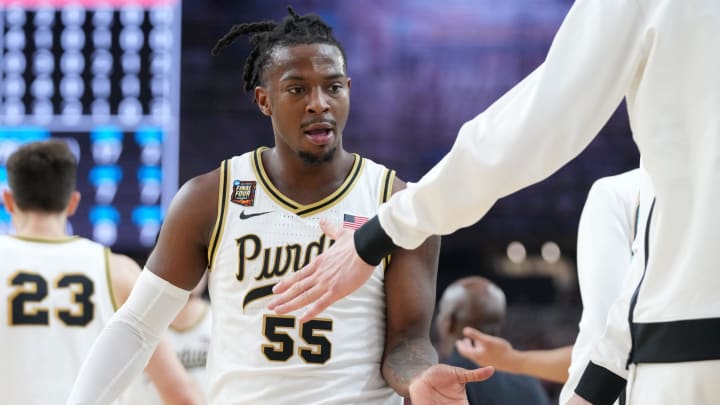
point(125, 346)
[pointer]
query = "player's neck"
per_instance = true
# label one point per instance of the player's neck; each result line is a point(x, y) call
point(40, 225)
point(303, 182)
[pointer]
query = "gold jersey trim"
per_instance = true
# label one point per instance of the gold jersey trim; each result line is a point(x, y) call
point(387, 185)
point(46, 240)
point(305, 210)
point(221, 213)
point(385, 194)
point(108, 276)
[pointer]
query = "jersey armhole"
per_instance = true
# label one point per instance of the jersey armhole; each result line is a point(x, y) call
point(108, 276)
point(221, 213)
point(385, 193)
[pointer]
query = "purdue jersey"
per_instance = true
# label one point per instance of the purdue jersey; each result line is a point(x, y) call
point(261, 236)
point(55, 298)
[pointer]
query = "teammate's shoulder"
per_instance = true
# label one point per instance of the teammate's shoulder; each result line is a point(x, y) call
point(626, 182)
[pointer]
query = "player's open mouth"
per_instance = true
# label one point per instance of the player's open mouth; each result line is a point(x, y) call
point(320, 136)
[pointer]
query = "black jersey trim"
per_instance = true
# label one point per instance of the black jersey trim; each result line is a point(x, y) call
point(305, 210)
point(599, 385)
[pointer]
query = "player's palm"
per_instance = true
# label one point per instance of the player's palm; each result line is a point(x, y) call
point(445, 385)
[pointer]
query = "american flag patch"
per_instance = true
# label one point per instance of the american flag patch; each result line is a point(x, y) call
point(353, 221)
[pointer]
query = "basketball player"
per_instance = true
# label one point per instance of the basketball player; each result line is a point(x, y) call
point(606, 233)
point(253, 222)
point(58, 291)
point(662, 57)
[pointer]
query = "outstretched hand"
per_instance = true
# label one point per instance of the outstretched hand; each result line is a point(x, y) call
point(334, 274)
point(442, 384)
point(485, 349)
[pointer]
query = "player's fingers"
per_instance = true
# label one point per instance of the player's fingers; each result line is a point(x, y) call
point(478, 374)
point(466, 348)
point(306, 297)
point(330, 229)
point(294, 279)
point(320, 305)
point(475, 334)
point(292, 291)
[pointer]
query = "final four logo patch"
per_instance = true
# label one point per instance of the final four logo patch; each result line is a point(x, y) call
point(243, 193)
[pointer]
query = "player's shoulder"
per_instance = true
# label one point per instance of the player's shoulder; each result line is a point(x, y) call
point(397, 183)
point(622, 187)
point(197, 192)
point(123, 271)
point(210, 182)
point(203, 182)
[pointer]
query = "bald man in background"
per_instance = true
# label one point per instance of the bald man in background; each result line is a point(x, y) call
point(478, 303)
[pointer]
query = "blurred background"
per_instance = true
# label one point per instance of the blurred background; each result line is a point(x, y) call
point(132, 85)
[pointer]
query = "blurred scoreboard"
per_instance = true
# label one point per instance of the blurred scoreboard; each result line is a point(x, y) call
point(104, 76)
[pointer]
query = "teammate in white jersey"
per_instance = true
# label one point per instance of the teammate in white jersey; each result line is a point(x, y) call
point(57, 292)
point(254, 222)
point(662, 58)
point(608, 225)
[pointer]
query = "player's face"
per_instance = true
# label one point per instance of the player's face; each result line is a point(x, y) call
point(307, 96)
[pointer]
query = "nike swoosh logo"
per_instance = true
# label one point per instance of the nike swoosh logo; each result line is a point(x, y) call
point(243, 215)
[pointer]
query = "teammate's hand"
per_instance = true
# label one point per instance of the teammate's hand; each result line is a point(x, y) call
point(489, 350)
point(445, 385)
point(334, 274)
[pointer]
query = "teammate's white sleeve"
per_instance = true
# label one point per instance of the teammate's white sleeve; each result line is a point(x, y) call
point(604, 250)
point(125, 346)
point(530, 132)
point(606, 374)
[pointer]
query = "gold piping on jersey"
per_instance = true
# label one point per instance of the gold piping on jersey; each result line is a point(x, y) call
point(303, 210)
point(221, 211)
point(385, 194)
point(46, 240)
point(113, 300)
point(387, 185)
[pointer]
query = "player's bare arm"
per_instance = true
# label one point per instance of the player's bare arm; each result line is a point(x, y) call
point(180, 255)
point(410, 297)
point(481, 348)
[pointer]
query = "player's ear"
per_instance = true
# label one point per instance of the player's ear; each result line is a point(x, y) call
point(9, 201)
point(262, 100)
point(73, 203)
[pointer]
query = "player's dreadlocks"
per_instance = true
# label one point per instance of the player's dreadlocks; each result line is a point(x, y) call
point(266, 35)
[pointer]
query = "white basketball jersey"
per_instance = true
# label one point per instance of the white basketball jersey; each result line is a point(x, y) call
point(261, 236)
point(55, 299)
